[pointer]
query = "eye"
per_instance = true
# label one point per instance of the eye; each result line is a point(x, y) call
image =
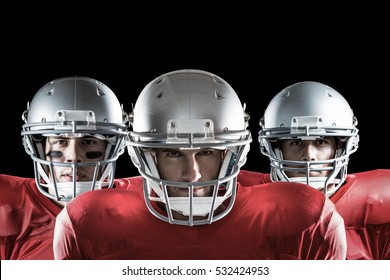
point(173, 153)
point(206, 152)
point(59, 142)
point(89, 141)
point(295, 142)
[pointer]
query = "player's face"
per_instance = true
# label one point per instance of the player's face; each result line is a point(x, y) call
point(189, 166)
point(309, 150)
point(74, 150)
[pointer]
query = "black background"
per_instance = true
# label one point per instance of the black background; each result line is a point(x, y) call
point(258, 54)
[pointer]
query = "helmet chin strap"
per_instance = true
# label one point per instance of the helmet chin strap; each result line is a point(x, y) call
point(315, 182)
point(201, 205)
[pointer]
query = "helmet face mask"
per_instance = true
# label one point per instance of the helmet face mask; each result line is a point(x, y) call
point(189, 110)
point(73, 108)
point(309, 111)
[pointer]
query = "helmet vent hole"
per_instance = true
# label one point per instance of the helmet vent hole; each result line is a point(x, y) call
point(100, 93)
point(160, 80)
point(218, 96)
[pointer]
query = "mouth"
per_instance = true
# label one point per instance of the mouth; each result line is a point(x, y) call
point(310, 174)
point(197, 191)
point(69, 177)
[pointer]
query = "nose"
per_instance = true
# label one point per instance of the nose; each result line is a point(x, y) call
point(309, 152)
point(191, 171)
point(73, 152)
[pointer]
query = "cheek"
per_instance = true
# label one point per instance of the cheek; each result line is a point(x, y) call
point(289, 155)
point(211, 167)
point(94, 155)
point(53, 155)
point(331, 154)
point(169, 170)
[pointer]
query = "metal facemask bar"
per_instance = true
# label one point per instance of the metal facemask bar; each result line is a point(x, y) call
point(196, 209)
point(181, 136)
point(66, 191)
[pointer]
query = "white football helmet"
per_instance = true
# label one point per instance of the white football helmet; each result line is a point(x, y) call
point(74, 106)
point(189, 109)
point(306, 111)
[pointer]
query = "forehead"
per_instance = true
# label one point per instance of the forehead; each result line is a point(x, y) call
point(184, 150)
point(72, 137)
point(309, 138)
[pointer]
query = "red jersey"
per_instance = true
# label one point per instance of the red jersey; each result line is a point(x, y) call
point(271, 221)
point(364, 203)
point(249, 178)
point(27, 220)
point(132, 183)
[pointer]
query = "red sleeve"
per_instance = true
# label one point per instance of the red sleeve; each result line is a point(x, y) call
point(131, 183)
point(297, 221)
point(329, 241)
point(96, 223)
point(64, 242)
point(27, 220)
point(249, 178)
point(364, 203)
